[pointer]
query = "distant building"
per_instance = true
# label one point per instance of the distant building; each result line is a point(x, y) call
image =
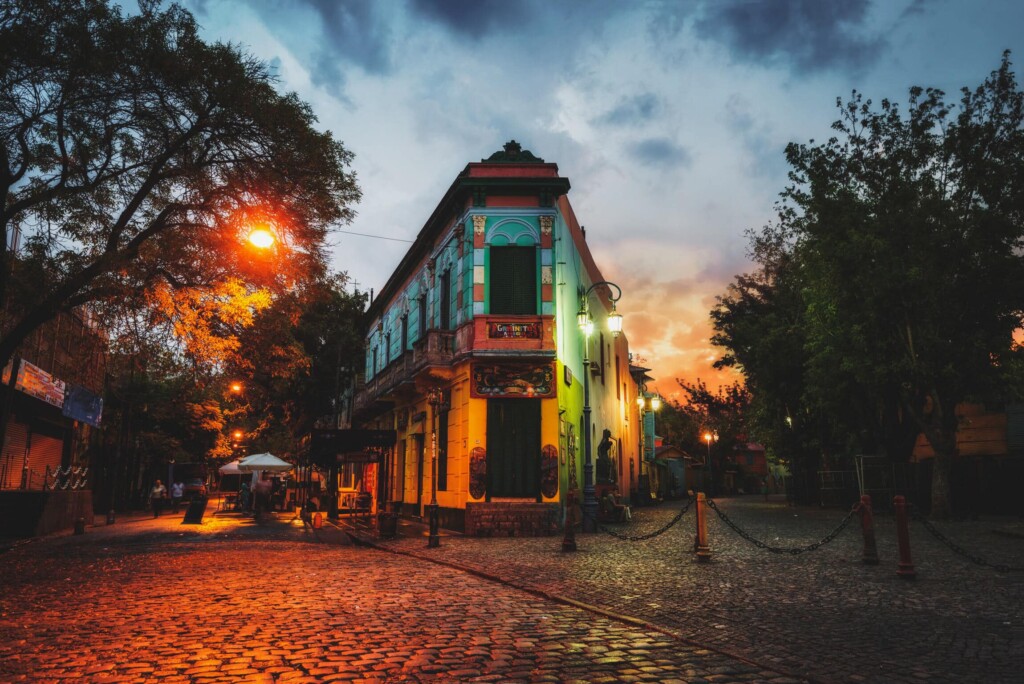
point(56, 403)
point(482, 311)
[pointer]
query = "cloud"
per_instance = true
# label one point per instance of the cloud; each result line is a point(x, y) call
point(660, 152)
point(811, 35)
point(631, 110)
point(473, 18)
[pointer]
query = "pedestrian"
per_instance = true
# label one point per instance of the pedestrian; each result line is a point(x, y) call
point(261, 494)
point(177, 494)
point(764, 488)
point(245, 497)
point(156, 497)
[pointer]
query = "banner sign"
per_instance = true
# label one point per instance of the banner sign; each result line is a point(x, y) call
point(82, 405)
point(507, 331)
point(35, 382)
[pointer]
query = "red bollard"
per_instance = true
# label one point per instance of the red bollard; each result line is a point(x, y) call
point(569, 540)
point(867, 528)
point(905, 567)
point(703, 550)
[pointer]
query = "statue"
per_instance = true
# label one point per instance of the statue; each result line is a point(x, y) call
point(605, 471)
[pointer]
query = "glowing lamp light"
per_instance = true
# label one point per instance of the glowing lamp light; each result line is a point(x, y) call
point(583, 319)
point(655, 402)
point(261, 238)
point(237, 434)
point(615, 321)
point(236, 387)
point(640, 400)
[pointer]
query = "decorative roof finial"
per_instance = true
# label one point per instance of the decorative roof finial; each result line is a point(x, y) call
point(513, 152)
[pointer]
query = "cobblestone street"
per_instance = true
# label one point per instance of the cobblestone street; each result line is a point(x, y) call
point(822, 615)
point(230, 600)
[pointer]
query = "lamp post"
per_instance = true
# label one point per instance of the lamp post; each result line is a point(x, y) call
point(436, 400)
point(586, 324)
point(647, 403)
point(709, 437)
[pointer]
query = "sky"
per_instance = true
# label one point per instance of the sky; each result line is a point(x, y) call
point(668, 117)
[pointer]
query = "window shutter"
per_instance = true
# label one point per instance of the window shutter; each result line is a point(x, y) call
point(513, 280)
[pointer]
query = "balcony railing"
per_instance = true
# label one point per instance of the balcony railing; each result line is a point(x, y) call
point(436, 348)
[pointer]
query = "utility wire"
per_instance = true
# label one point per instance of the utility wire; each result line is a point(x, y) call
point(379, 237)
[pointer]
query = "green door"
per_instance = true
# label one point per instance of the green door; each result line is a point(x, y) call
point(513, 448)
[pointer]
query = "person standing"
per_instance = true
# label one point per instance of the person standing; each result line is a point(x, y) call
point(156, 497)
point(261, 494)
point(177, 494)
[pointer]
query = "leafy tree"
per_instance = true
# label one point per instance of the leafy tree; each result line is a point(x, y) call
point(296, 359)
point(135, 157)
point(902, 239)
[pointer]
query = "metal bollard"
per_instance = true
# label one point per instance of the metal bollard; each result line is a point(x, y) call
point(905, 567)
point(867, 527)
point(79, 525)
point(703, 550)
point(110, 517)
point(569, 540)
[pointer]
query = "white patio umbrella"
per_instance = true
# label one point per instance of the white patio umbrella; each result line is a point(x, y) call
point(268, 462)
point(230, 468)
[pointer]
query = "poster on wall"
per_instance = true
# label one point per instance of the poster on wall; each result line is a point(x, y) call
point(501, 380)
point(35, 382)
point(82, 405)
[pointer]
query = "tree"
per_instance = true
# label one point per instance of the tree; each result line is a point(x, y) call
point(902, 240)
point(297, 359)
point(135, 156)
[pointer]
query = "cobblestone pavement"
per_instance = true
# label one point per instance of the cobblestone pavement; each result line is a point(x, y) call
point(822, 615)
point(231, 600)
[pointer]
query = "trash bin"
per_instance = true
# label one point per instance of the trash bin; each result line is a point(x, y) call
point(387, 525)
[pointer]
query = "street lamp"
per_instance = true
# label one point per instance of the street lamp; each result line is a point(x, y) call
point(586, 324)
point(436, 400)
point(261, 238)
point(709, 437)
point(647, 403)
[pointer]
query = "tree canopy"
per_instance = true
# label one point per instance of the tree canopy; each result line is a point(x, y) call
point(890, 286)
point(135, 157)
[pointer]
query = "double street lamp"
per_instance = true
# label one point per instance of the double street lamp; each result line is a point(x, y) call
point(586, 324)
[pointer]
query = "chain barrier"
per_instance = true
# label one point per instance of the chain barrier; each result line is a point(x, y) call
point(956, 548)
point(644, 538)
point(794, 550)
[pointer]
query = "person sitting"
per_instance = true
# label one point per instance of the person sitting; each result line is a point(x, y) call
point(613, 510)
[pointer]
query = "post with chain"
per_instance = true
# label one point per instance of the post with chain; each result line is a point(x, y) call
point(905, 567)
point(569, 540)
point(867, 528)
point(702, 548)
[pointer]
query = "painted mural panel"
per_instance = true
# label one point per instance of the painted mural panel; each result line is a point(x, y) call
point(510, 380)
point(477, 473)
point(549, 471)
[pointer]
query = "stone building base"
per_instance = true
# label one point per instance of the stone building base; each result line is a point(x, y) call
point(503, 519)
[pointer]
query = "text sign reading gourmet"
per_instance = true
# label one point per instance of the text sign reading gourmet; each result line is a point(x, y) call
point(532, 381)
point(512, 331)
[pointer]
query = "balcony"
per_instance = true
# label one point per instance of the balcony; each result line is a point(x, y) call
point(436, 349)
point(498, 335)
